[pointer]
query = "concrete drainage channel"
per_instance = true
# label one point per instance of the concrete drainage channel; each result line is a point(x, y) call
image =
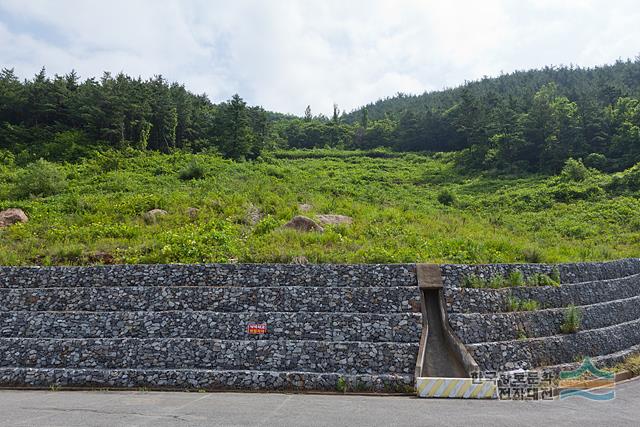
point(306, 328)
point(444, 366)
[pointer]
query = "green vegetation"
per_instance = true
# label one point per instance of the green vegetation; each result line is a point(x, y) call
point(96, 207)
point(631, 363)
point(514, 279)
point(192, 171)
point(540, 279)
point(516, 304)
point(446, 198)
point(572, 320)
point(341, 385)
point(521, 334)
point(535, 121)
point(40, 178)
point(536, 166)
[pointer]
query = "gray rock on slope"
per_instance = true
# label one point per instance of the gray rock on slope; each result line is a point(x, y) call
point(12, 216)
point(331, 219)
point(303, 223)
point(152, 216)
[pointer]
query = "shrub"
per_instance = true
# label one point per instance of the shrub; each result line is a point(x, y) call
point(512, 303)
point(532, 255)
point(497, 281)
point(473, 281)
point(555, 275)
point(446, 198)
point(192, 171)
point(266, 225)
point(632, 363)
point(596, 161)
point(572, 320)
point(541, 279)
point(40, 178)
point(628, 180)
point(521, 334)
point(516, 304)
point(574, 170)
point(341, 385)
point(516, 278)
point(529, 305)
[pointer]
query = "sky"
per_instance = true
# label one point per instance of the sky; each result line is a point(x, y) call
point(287, 54)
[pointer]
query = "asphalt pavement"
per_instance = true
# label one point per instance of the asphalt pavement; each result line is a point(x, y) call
point(130, 408)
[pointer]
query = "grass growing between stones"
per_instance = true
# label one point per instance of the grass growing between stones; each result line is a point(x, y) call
point(516, 304)
point(514, 279)
point(631, 364)
point(405, 208)
point(572, 320)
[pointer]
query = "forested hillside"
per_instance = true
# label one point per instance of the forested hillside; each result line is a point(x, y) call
point(529, 121)
point(62, 118)
point(523, 121)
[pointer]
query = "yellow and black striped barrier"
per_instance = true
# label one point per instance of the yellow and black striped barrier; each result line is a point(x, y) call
point(457, 388)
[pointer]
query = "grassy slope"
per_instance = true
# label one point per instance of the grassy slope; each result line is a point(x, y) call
point(393, 201)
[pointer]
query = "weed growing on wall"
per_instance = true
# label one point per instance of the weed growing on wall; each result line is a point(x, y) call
point(513, 279)
point(516, 304)
point(572, 320)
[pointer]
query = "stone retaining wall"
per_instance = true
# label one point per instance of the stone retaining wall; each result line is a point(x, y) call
point(367, 327)
point(470, 300)
point(607, 296)
point(230, 275)
point(178, 353)
point(488, 327)
point(185, 326)
point(557, 349)
point(569, 273)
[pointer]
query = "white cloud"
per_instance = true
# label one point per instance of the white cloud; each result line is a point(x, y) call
point(286, 54)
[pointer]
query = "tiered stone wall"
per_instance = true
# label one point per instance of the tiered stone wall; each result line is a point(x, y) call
point(607, 295)
point(185, 326)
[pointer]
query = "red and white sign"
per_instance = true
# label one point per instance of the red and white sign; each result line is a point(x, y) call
point(256, 328)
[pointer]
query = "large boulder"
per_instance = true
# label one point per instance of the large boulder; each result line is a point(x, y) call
point(302, 223)
point(12, 216)
point(152, 216)
point(331, 219)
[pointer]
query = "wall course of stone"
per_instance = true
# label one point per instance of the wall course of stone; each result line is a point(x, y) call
point(235, 275)
point(487, 327)
point(608, 293)
point(184, 326)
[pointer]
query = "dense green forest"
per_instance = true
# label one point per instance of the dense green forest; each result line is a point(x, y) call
point(61, 118)
point(523, 121)
point(530, 121)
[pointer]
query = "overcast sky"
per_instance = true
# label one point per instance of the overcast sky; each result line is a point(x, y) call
point(284, 54)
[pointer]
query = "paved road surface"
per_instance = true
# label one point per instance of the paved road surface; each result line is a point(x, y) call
point(79, 408)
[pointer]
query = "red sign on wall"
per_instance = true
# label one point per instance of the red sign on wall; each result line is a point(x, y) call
point(256, 328)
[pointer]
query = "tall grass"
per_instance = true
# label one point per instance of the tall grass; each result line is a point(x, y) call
point(393, 200)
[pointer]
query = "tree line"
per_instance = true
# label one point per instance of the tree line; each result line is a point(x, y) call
point(524, 121)
point(62, 118)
